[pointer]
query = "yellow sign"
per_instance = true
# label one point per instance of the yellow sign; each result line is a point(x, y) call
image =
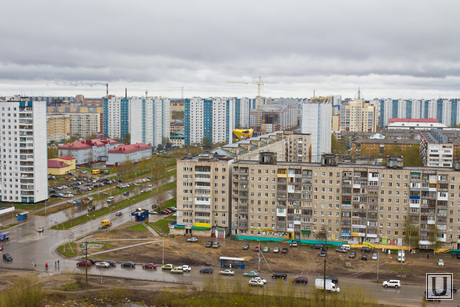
point(203, 224)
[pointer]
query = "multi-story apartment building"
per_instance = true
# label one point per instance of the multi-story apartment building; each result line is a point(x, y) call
point(358, 115)
point(116, 117)
point(316, 120)
point(149, 120)
point(23, 157)
point(208, 120)
point(435, 149)
point(298, 147)
point(351, 203)
point(88, 151)
point(58, 127)
point(379, 148)
point(203, 193)
point(85, 124)
point(446, 111)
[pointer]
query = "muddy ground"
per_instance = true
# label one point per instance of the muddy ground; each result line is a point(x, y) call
point(300, 260)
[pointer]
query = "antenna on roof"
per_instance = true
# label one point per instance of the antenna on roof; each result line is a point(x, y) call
point(146, 93)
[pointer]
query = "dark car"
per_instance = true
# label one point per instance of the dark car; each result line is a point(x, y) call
point(285, 250)
point(454, 289)
point(128, 264)
point(7, 257)
point(458, 256)
point(206, 271)
point(317, 246)
point(93, 261)
point(333, 279)
point(300, 280)
point(245, 247)
point(126, 193)
point(323, 253)
point(150, 266)
point(363, 257)
point(103, 227)
point(209, 244)
point(352, 255)
point(111, 262)
point(83, 263)
point(279, 275)
point(365, 249)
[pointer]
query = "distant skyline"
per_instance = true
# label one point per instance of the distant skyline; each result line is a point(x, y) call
point(389, 49)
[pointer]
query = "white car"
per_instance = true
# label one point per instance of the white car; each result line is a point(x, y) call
point(227, 272)
point(441, 262)
point(68, 196)
point(102, 264)
point(392, 283)
point(276, 250)
point(256, 282)
point(186, 268)
point(40, 229)
point(260, 279)
point(192, 239)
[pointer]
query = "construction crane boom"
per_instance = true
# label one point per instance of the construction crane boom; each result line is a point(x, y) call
point(260, 126)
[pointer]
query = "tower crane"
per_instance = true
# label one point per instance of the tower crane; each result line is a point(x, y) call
point(260, 127)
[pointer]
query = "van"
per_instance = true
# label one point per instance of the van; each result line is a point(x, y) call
point(346, 247)
point(106, 223)
point(4, 236)
point(95, 171)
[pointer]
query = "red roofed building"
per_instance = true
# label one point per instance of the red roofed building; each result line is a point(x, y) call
point(56, 167)
point(133, 152)
point(88, 151)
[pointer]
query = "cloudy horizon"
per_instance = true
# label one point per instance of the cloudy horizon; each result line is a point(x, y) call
point(388, 49)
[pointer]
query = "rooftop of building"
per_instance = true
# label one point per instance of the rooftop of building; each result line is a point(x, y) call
point(387, 141)
point(56, 164)
point(65, 158)
point(123, 149)
point(85, 144)
point(413, 120)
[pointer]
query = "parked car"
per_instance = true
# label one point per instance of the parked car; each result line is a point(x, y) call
point(102, 227)
point(93, 261)
point(323, 253)
point(260, 279)
point(340, 250)
point(192, 239)
point(256, 248)
point(375, 256)
point(185, 268)
point(352, 255)
point(363, 257)
point(206, 271)
point(1, 247)
point(279, 275)
point(40, 229)
point(111, 262)
point(276, 250)
point(251, 274)
point(392, 283)
point(227, 272)
point(366, 249)
point(126, 193)
point(7, 257)
point(293, 244)
point(128, 264)
point(284, 250)
point(458, 255)
point(266, 249)
point(317, 246)
point(167, 267)
point(256, 282)
point(208, 244)
point(300, 280)
point(454, 289)
point(102, 264)
point(177, 270)
point(216, 244)
point(149, 266)
point(118, 213)
point(440, 262)
point(245, 247)
point(81, 263)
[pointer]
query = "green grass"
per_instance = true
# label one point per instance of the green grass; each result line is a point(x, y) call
point(137, 227)
point(169, 203)
point(162, 225)
point(125, 203)
point(66, 250)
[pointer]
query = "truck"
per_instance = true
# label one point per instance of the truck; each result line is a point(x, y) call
point(401, 255)
point(330, 286)
point(4, 236)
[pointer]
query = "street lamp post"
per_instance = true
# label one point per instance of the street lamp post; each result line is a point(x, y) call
point(378, 259)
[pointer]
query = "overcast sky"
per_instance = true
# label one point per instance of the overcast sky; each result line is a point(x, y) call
point(389, 49)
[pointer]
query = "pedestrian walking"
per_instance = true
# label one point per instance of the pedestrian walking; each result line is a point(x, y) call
point(58, 263)
point(46, 266)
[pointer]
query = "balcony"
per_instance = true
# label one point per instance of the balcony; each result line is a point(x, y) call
point(202, 209)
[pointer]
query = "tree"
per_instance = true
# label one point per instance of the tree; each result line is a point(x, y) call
point(433, 237)
point(127, 139)
point(411, 234)
point(411, 156)
point(71, 139)
point(322, 235)
point(207, 143)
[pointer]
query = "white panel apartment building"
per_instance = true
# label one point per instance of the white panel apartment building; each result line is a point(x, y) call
point(84, 124)
point(317, 121)
point(149, 120)
point(23, 158)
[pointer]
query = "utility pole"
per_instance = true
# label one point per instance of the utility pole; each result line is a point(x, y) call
point(86, 260)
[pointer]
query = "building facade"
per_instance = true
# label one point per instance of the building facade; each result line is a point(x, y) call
point(58, 127)
point(116, 117)
point(358, 116)
point(85, 124)
point(133, 153)
point(435, 149)
point(88, 151)
point(316, 120)
point(23, 156)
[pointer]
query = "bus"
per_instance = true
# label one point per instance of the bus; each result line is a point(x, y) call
point(232, 262)
point(96, 171)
